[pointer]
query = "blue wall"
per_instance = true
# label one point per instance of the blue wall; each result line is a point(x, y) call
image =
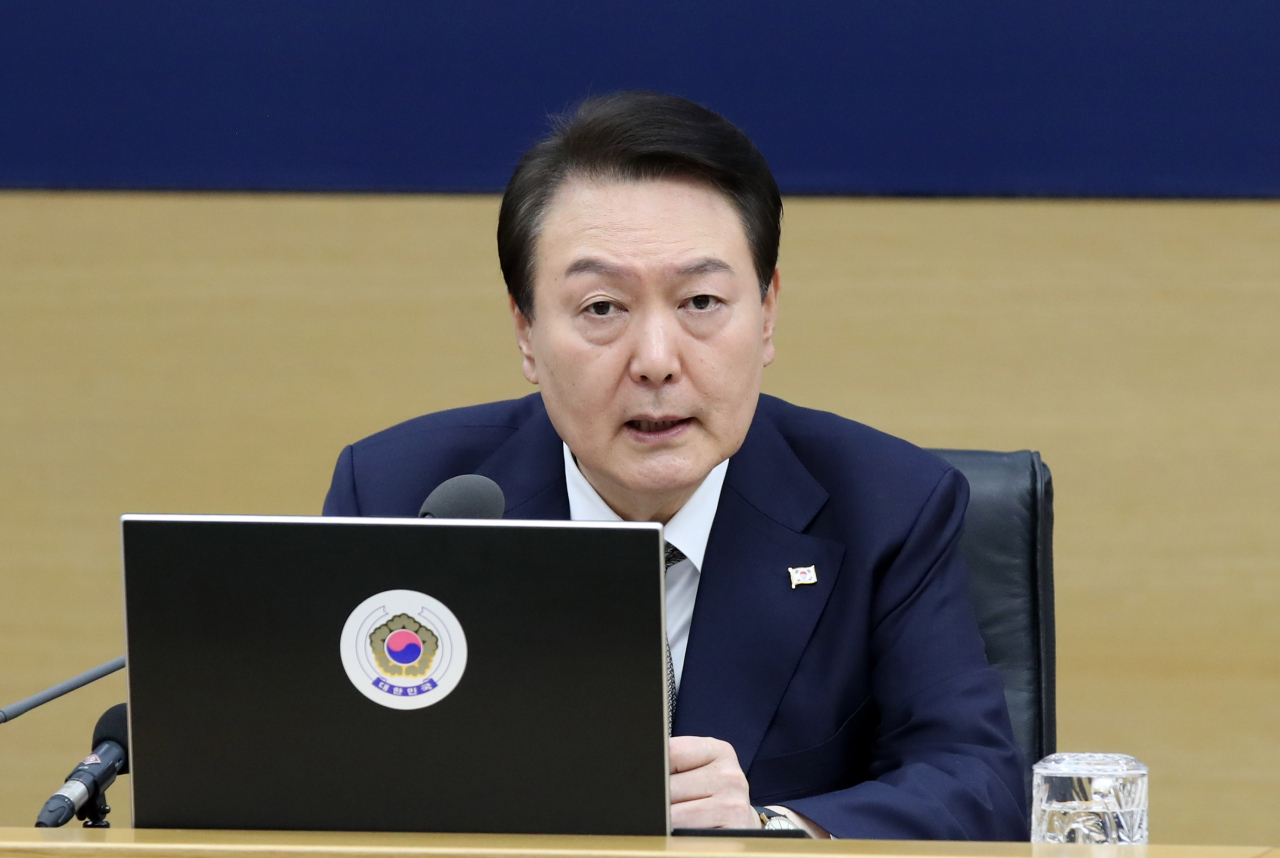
point(990, 97)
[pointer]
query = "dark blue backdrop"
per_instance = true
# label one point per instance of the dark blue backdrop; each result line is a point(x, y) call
point(1078, 97)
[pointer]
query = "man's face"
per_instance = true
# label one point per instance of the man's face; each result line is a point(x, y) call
point(648, 338)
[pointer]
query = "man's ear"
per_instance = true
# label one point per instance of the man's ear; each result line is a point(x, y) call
point(770, 309)
point(524, 327)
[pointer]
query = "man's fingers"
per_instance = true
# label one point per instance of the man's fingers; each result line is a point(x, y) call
point(693, 752)
point(709, 782)
point(708, 788)
point(713, 812)
point(702, 813)
point(693, 785)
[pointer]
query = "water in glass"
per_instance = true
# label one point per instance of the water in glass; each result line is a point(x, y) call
point(1089, 798)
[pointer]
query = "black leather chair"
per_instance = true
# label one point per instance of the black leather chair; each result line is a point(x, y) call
point(1008, 546)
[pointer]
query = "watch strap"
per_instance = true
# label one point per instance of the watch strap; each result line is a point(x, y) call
point(765, 813)
point(773, 820)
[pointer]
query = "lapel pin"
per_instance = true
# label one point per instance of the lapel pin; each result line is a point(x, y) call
point(803, 575)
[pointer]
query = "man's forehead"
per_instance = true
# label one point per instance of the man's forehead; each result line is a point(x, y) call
point(591, 224)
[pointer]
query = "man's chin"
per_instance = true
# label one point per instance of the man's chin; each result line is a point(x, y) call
point(648, 487)
point(664, 479)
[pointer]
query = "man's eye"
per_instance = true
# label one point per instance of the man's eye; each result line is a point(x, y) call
point(702, 302)
point(600, 308)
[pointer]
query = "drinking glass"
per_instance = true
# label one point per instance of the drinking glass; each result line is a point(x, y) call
point(1089, 798)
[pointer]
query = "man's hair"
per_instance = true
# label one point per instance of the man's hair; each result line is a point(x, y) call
point(638, 136)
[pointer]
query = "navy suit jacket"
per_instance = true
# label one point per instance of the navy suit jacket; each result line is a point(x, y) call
point(863, 701)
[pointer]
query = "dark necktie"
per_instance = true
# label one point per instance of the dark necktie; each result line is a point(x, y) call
point(674, 556)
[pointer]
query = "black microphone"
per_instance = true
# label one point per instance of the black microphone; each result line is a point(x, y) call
point(87, 784)
point(467, 496)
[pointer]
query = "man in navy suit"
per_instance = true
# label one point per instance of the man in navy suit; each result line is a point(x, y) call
point(829, 668)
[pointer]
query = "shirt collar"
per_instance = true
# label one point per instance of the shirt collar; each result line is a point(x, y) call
point(687, 530)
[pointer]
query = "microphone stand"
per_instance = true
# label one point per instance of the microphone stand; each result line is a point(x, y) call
point(95, 811)
point(13, 710)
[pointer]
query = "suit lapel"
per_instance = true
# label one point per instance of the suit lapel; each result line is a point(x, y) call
point(529, 467)
point(750, 626)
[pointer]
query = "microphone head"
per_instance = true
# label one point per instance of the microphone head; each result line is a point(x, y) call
point(113, 726)
point(467, 496)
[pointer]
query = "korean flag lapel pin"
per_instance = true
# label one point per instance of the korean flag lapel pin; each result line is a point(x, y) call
point(802, 575)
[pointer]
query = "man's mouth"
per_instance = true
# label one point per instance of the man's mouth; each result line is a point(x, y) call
point(657, 426)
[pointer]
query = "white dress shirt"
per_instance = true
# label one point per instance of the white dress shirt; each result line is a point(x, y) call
point(687, 530)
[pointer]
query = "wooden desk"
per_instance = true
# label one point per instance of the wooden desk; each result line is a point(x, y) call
point(128, 842)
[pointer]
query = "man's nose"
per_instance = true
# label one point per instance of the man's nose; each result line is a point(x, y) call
point(656, 356)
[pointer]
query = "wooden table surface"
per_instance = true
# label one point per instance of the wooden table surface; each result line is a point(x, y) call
point(122, 842)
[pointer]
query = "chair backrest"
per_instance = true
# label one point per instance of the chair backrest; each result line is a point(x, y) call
point(1007, 545)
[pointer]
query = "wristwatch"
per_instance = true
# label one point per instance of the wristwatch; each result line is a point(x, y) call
point(774, 821)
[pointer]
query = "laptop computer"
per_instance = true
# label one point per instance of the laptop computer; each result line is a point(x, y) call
point(396, 674)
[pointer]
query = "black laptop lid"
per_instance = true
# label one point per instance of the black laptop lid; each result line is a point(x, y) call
point(396, 675)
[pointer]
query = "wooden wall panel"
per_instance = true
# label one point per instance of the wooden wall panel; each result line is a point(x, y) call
point(197, 353)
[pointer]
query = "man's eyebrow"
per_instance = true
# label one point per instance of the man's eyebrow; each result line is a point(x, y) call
point(704, 266)
point(590, 265)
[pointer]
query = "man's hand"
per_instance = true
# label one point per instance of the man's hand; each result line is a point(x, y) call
point(708, 788)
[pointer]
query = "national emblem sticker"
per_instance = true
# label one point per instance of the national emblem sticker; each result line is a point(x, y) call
point(403, 649)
